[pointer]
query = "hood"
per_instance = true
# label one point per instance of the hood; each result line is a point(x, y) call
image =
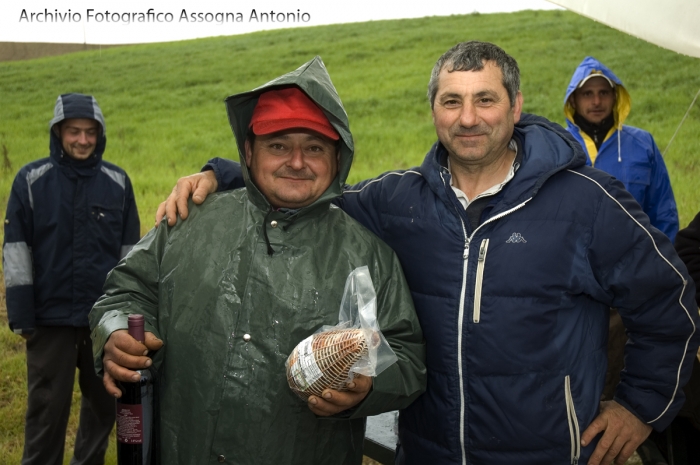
point(590, 65)
point(548, 149)
point(76, 106)
point(313, 79)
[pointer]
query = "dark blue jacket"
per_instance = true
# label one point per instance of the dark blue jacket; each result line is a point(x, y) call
point(515, 313)
point(67, 224)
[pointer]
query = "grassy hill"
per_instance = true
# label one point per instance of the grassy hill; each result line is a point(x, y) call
point(163, 104)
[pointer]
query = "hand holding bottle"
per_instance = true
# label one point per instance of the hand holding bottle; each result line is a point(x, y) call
point(122, 355)
point(137, 411)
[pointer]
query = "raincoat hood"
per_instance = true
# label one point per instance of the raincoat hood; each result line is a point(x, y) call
point(76, 106)
point(588, 66)
point(313, 79)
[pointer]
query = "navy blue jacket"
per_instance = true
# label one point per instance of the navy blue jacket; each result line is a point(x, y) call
point(515, 313)
point(67, 224)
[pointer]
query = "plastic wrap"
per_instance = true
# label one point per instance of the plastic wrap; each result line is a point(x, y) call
point(329, 358)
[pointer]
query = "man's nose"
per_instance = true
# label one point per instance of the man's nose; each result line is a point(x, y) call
point(83, 138)
point(296, 161)
point(467, 116)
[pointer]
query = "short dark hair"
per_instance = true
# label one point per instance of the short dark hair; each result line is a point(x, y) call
point(472, 56)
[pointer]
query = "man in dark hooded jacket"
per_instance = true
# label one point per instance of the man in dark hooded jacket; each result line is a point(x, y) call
point(232, 293)
point(69, 220)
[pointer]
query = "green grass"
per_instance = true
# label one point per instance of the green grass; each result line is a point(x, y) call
point(163, 104)
point(165, 116)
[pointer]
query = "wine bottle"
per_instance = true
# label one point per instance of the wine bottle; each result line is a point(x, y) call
point(135, 412)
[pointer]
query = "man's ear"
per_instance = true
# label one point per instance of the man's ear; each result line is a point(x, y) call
point(571, 101)
point(248, 152)
point(518, 107)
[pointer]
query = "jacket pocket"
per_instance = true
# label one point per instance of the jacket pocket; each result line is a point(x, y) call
point(481, 263)
point(107, 226)
point(106, 214)
point(573, 422)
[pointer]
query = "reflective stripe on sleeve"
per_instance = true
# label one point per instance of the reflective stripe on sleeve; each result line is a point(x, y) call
point(17, 263)
point(115, 176)
point(32, 176)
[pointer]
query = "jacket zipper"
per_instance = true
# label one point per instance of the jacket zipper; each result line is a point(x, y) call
point(481, 263)
point(460, 323)
point(573, 422)
point(465, 257)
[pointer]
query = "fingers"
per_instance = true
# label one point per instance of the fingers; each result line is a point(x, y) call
point(325, 407)
point(332, 402)
point(111, 386)
point(122, 355)
point(204, 185)
point(119, 372)
point(152, 342)
point(180, 202)
point(360, 383)
point(172, 205)
point(607, 449)
point(596, 427)
point(625, 453)
point(624, 432)
point(160, 213)
point(199, 185)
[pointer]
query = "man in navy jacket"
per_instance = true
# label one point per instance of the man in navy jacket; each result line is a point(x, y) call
point(514, 251)
point(69, 220)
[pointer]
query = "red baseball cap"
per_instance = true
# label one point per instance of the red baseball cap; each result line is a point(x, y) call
point(289, 108)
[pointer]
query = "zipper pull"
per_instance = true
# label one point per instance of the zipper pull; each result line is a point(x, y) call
point(482, 252)
point(465, 255)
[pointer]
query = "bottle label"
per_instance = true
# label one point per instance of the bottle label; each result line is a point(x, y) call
point(305, 371)
point(129, 424)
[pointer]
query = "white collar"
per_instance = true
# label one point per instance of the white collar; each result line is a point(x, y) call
point(462, 197)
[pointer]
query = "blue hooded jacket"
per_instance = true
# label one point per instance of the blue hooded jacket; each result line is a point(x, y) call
point(515, 312)
point(68, 222)
point(628, 153)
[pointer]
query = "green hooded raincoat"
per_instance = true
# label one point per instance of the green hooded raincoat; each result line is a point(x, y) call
point(208, 281)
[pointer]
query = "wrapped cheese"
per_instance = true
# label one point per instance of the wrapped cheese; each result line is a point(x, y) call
point(323, 360)
point(330, 358)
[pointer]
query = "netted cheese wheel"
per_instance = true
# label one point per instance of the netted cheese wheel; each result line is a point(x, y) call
point(323, 361)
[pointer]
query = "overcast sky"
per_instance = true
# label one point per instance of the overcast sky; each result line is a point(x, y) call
point(117, 21)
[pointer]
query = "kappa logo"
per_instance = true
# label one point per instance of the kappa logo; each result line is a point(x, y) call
point(515, 238)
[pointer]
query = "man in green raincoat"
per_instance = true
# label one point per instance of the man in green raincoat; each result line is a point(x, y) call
point(262, 268)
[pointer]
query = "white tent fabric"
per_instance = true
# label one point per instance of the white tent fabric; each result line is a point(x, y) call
point(671, 24)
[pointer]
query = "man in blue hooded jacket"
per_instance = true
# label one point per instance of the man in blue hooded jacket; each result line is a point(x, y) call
point(596, 106)
point(514, 251)
point(69, 220)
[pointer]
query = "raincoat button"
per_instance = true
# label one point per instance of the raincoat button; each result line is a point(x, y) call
point(273, 223)
point(246, 337)
point(221, 459)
